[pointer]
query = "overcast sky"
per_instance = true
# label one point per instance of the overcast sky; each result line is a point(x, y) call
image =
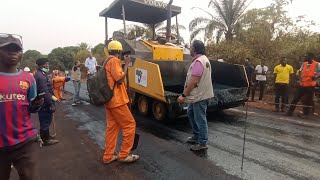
point(45, 25)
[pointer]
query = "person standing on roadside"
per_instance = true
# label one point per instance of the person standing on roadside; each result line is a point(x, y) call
point(91, 64)
point(250, 73)
point(283, 73)
point(261, 79)
point(118, 113)
point(186, 49)
point(26, 69)
point(309, 72)
point(76, 79)
point(58, 84)
point(44, 85)
point(197, 91)
point(18, 91)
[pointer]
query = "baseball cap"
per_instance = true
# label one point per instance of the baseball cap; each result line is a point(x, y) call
point(6, 39)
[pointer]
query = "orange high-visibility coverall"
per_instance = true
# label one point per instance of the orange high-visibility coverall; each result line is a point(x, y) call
point(118, 114)
point(58, 83)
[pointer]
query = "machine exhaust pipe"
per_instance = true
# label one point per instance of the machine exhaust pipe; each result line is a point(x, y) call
point(169, 16)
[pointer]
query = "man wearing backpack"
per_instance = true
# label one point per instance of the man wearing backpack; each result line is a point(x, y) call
point(118, 113)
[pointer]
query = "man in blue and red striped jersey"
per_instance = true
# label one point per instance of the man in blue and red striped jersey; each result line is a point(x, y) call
point(17, 93)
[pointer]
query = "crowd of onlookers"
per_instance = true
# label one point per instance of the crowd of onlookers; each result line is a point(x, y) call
point(305, 80)
point(22, 93)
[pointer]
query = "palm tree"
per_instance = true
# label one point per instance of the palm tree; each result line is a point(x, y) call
point(147, 30)
point(173, 28)
point(143, 30)
point(228, 13)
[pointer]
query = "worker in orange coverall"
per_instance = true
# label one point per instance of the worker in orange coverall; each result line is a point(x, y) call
point(118, 113)
point(58, 83)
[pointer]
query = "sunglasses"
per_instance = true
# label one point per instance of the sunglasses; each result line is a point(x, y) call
point(16, 36)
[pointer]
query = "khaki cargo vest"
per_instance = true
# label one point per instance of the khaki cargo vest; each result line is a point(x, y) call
point(204, 90)
point(76, 75)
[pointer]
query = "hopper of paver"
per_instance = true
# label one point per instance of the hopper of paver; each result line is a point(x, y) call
point(230, 84)
point(165, 82)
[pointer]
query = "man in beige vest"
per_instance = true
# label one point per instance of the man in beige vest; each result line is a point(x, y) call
point(197, 91)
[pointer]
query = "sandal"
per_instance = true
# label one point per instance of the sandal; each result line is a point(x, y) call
point(110, 161)
point(129, 159)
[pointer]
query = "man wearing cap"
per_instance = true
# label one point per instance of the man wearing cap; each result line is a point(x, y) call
point(17, 100)
point(44, 85)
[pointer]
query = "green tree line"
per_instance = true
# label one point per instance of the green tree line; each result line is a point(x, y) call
point(63, 58)
point(266, 33)
point(230, 30)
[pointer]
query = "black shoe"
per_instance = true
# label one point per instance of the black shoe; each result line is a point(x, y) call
point(50, 142)
point(198, 147)
point(192, 140)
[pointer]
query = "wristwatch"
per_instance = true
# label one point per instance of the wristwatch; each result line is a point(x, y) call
point(183, 95)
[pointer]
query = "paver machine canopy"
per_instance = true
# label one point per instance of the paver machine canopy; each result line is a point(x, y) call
point(148, 12)
point(157, 75)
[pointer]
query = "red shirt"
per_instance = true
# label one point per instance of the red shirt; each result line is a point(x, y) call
point(17, 90)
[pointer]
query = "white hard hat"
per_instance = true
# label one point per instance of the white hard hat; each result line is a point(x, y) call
point(26, 69)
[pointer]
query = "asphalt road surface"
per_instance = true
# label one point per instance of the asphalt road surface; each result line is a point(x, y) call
point(277, 147)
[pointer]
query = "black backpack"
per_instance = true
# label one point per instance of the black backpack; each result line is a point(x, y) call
point(98, 88)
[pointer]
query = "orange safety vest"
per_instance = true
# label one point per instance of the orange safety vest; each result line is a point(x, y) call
point(308, 75)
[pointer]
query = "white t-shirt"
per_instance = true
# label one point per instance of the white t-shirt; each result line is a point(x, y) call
point(259, 69)
point(91, 65)
point(186, 51)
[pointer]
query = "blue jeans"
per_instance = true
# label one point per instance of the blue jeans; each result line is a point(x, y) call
point(197, 114)
point(45, 118)
point(76, 96)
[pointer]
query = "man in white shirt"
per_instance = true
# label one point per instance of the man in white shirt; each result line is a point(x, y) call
point(91, 64)
point(261, 79)
point(186, 49)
